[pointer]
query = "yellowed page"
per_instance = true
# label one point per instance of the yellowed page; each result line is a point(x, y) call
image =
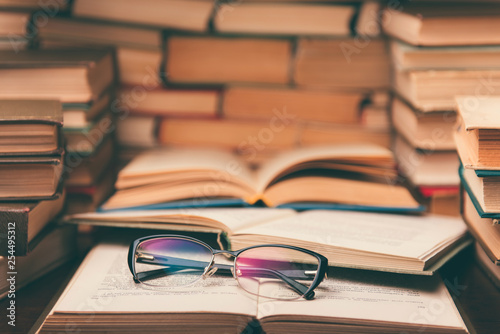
point(162, 164)
point(227, 220)
point(104, 284)
point(283, 161)
point(385, 234)
point(479, 113)
point(364, 297)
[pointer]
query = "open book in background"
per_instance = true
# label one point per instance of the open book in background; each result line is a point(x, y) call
point(350, 176)
point(384, 242)
point(348, 301)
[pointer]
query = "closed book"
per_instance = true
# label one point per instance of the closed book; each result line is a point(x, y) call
point(170, 102)
point(284, 19)
point(249, 102)
point(100, 33)
point(22, 223)
point(139, 67)
point(424, 130)
point(435, 90)
point(30, 127)
point(484, 191)
point(478, 132)
point(191, 15)
point(234, 135)
point(408, 57)
point(30, 177)
point(436, 25)
point(341, 63)
point(227, 60)
point(68, 75)
point(484, 230)
point(315, 133)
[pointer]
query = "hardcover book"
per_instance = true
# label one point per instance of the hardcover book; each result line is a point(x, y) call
point(191, 15)
point(478, 132)
point(68, 75)
point(26, 178)
point(437, 25)
point(284, 19)
point(26, 220)
point(357, 175)
point(30, 127)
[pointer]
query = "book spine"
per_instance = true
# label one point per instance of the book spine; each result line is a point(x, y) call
point(13, 233)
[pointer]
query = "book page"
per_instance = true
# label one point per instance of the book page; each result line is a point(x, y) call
point(272, 168)
point(354, 297)
point(227, 220)
point(104, 284)
point(219, 165)
point(390, 234)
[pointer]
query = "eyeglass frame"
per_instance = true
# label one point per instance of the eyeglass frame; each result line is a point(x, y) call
point(308, 294)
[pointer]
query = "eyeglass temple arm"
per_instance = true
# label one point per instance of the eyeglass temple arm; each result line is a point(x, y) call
point(176, 264)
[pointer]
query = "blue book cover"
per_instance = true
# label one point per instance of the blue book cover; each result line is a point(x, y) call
point(473, 197)
point(351, 207)
point(235, 203)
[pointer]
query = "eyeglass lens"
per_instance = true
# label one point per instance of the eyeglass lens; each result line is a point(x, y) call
point(171, 262)
point(276, 272)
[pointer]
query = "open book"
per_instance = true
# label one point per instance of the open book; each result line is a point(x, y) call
point(351, 175)
point(103, 297)
point(375, 241)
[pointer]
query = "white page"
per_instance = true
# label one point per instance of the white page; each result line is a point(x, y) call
point(105, 284)
point(365, 295)
point(329, 152)
point(162, 161)
point(232, 218)
point(399, 235)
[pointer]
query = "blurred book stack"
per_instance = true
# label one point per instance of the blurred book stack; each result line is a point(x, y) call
point(41, 163)
point(438, 51)
point(31, 190)
point(219, 80)
point(477, 137)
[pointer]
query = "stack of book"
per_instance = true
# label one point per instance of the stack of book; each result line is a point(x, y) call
point(478, 141)
point(82, 80)
point(438, 51)
point(302, 76)
point(31, 191)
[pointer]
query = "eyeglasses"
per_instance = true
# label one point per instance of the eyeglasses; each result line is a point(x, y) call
point(272, 271)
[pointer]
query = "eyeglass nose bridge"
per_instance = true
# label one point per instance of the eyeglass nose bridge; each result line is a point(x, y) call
point(213, 267)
